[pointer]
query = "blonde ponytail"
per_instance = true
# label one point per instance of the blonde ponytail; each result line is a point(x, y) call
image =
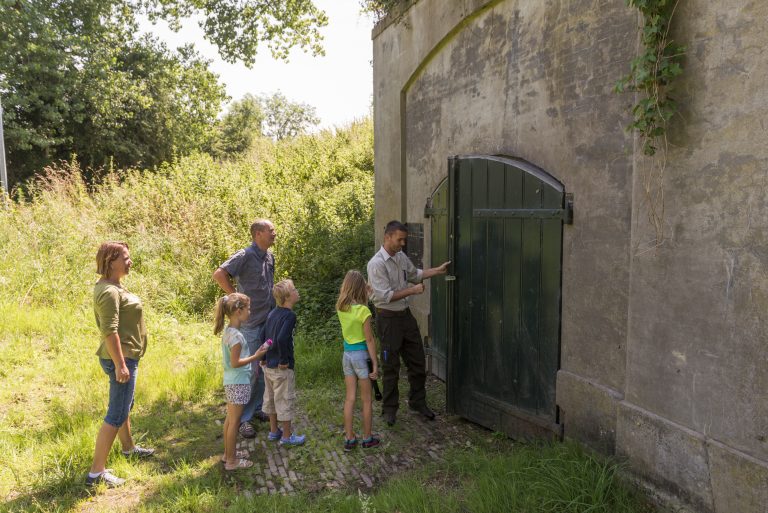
point(225, 307)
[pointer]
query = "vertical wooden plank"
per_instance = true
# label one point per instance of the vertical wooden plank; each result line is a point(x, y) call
point(438, 287)
point(463, 283)
point(496, 177)
point(479, 335)
point(513, 237)
point(529, 386)
point(494, 362)
point(549, 309)
point(451, 398)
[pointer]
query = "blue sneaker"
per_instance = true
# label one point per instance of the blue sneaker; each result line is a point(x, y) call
point(294, 439)
point(274, 437)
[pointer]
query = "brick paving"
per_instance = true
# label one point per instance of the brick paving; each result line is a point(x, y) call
point(322, 463)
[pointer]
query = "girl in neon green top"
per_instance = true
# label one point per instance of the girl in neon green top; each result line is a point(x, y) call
point(359, 347)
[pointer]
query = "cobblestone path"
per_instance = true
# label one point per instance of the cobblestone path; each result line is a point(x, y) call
point(322, 463)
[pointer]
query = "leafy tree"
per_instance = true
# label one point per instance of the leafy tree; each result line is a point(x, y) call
point(37, 78)
point(285, 118)
point(74, 78)
point(146, 106)
point(237, 27)
point(252, 117)
point(239, 127)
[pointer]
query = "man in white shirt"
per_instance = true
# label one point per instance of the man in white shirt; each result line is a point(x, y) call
point(393, 279)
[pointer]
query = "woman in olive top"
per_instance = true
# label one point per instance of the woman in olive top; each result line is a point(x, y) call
point(123, 342)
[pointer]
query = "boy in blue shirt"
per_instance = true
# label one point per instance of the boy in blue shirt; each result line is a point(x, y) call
point(279, 377)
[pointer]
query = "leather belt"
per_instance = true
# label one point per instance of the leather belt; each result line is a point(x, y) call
point(392, 313)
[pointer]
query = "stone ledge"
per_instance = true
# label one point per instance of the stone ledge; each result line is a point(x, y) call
point(739, 481)
point(393, 17)
point(588, 411)
point(666, 454)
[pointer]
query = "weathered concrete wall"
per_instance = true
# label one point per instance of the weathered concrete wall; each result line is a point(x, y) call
point(523, 79)
point(696, 348)
point(663, 350)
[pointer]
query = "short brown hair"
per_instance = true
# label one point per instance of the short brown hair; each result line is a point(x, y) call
point(108, 252)
point(259, 225)
point(395, 226)
point(282, 290)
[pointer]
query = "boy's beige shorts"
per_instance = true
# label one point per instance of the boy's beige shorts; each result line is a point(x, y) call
point(279, 393)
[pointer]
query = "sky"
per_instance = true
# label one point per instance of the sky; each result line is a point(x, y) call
point(339, 85)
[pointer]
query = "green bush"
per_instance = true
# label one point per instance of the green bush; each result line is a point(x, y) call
point(185, 219)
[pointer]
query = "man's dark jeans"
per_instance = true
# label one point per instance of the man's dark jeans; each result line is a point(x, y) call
point(400, 337)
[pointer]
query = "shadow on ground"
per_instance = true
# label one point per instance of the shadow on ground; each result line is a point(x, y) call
point(188, 441)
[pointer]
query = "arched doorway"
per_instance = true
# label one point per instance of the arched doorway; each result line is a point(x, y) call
point(495, 319)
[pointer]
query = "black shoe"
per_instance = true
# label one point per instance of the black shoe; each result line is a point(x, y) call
point(261, 416)
point(389, 418)
point(424, 410)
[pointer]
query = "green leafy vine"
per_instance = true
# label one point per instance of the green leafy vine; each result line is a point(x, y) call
point(379, 8)
point(653, 71)
point(652, 74)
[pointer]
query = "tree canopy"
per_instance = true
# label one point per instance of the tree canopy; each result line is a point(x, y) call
point(284, 118)
point(237, 27)
point(251, 117)
point(239, 127)
point(76, 79)
point(379, 8)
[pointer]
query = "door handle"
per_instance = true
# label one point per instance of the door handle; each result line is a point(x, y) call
point(448, 277)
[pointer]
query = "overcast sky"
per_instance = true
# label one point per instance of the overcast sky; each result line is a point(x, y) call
point(338, 85)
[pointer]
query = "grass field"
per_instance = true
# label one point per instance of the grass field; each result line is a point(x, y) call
point(57, 395)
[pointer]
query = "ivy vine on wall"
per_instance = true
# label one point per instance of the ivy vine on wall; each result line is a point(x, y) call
point(652, 72)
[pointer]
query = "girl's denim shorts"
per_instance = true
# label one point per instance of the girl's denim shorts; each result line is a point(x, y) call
point(355, 363)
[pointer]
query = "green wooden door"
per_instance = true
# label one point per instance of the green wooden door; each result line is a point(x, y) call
point(440, 299)
point(506, 227)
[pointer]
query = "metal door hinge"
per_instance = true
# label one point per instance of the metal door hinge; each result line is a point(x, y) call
point(568, 217)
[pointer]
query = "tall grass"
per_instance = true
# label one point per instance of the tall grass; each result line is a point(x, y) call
point(186, 218)
point(498, 476)
point(546, 478)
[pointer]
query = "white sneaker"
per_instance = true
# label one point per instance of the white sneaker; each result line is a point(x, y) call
point(106, 477)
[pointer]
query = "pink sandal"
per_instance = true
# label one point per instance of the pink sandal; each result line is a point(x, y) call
point(241, 463)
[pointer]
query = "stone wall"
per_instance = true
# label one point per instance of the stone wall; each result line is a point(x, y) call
point(664, 357)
